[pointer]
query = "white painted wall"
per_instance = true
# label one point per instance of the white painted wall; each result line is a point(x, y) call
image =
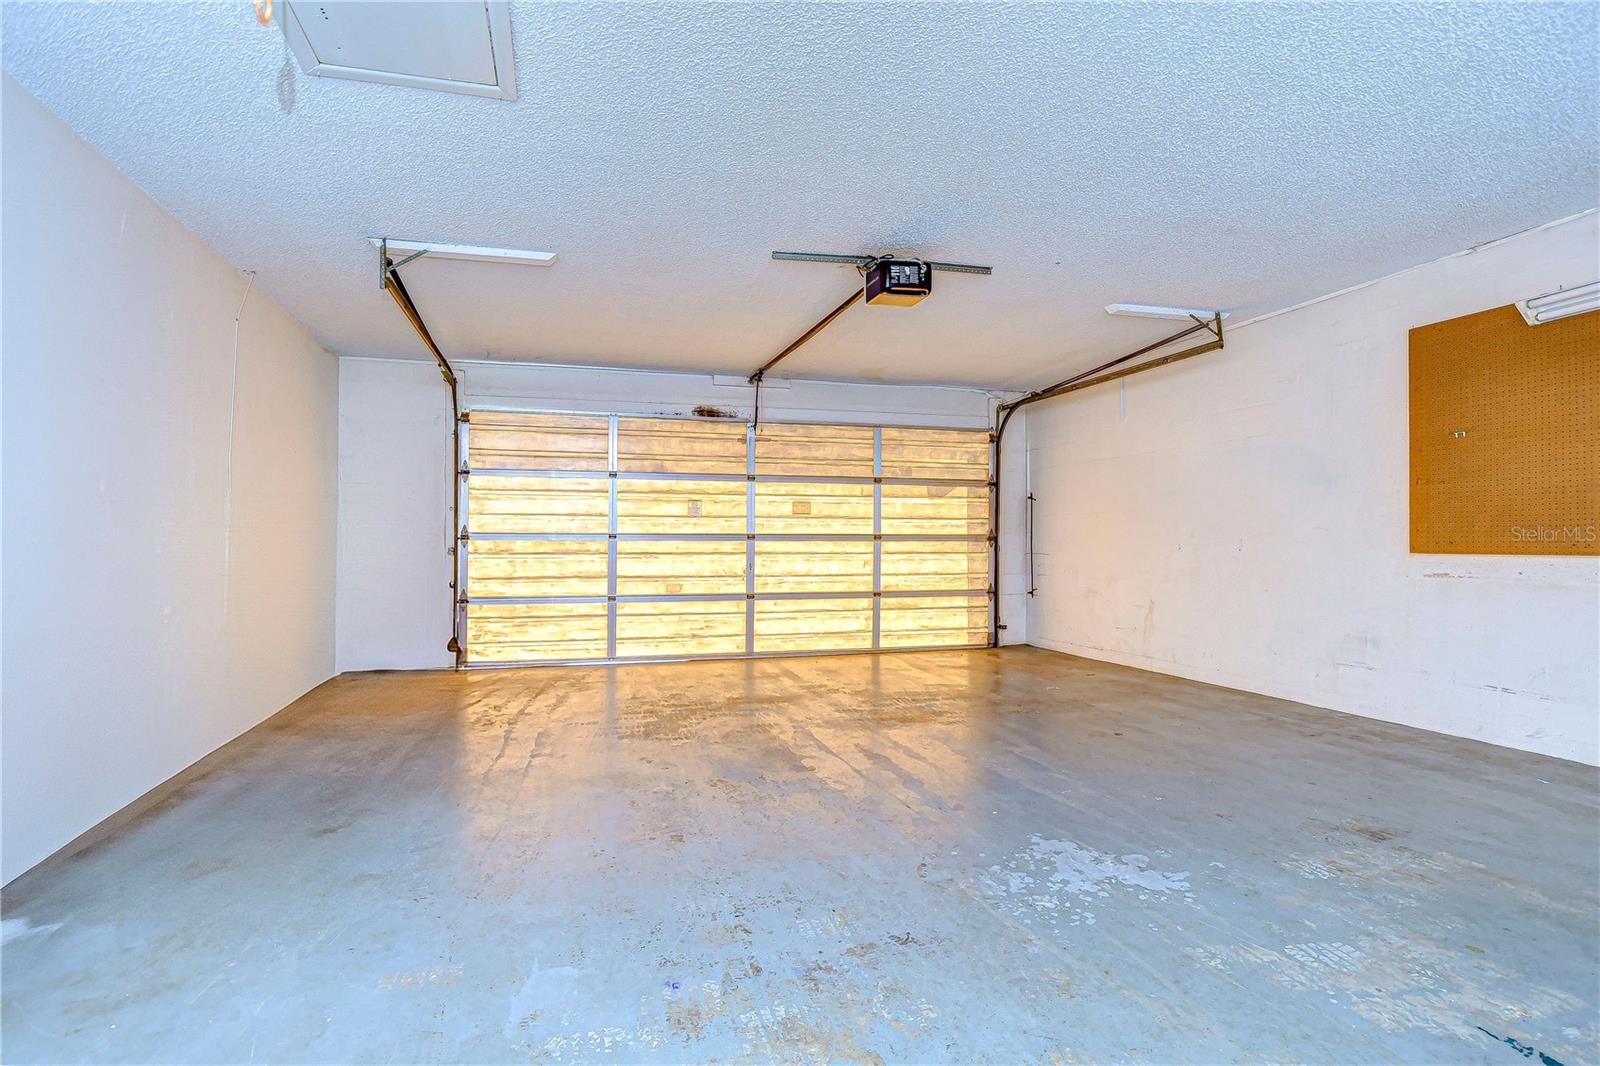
point(394, 516)
point(144, 623)
point(1242, 519)
point(394, 462)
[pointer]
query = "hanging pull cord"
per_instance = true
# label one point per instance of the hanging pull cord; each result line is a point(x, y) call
point(755, 413)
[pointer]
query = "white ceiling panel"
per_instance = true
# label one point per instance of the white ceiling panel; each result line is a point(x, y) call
point(450, 45)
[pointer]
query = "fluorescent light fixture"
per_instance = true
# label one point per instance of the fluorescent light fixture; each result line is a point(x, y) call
point(1155, 311)
point(1561, 303)
point(399, 249)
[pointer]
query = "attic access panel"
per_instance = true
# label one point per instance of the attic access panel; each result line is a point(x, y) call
point(614, 537)
point(459, 47)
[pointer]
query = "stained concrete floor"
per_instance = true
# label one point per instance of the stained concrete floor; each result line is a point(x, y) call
point(952, 856)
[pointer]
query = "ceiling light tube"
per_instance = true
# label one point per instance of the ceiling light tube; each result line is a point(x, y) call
point(470, 252)
point(1157, 311)
point(1561, 303)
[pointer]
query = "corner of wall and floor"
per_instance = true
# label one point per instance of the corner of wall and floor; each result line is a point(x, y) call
point(1242, 519)
point(169, 536)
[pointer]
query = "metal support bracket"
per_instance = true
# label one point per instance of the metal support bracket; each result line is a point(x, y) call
point(386, 266)
point(1033, 581)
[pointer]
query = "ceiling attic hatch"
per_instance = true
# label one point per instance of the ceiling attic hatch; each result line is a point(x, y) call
point(451, 46)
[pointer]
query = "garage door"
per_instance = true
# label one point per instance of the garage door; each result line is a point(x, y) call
point(594, 537)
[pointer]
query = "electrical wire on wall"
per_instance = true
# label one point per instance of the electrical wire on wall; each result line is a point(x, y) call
point(233, 408)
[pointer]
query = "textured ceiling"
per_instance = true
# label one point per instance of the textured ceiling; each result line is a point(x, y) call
point(1246, 157)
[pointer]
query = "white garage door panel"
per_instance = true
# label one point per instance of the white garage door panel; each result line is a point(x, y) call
point(593, 537)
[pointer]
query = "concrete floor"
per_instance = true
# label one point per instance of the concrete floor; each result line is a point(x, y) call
point(949, 856)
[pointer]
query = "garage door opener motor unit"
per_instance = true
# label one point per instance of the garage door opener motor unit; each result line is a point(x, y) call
point(886, 281)
point(897, 282)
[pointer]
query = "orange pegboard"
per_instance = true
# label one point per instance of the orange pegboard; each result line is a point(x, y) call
point(1505, 435)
